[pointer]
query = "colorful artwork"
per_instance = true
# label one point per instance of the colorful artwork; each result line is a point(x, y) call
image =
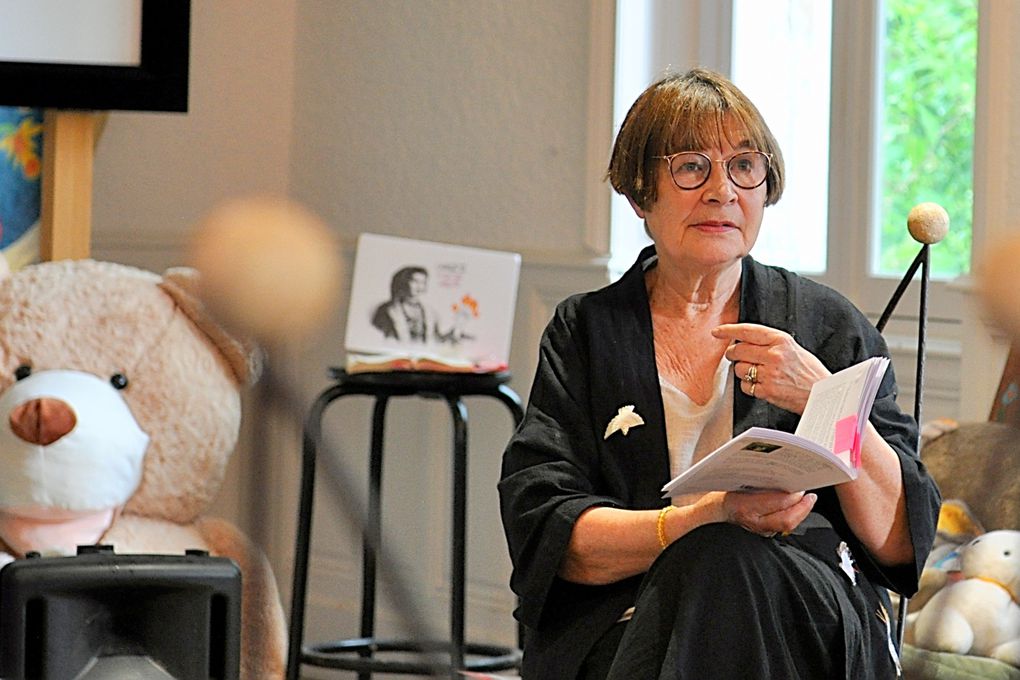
point(20, 194)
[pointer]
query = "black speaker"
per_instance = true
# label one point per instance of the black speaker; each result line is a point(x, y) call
point(101, 615)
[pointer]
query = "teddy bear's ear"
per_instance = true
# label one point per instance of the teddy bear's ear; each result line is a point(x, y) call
point(244, 357)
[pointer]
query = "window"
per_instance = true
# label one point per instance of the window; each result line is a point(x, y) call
point(796, 36)
point(926, 149)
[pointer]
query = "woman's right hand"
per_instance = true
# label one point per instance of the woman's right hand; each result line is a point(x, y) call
point(766, 513)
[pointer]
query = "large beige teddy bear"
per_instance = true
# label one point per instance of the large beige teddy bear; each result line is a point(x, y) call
point(121, 405)
point(979, 613)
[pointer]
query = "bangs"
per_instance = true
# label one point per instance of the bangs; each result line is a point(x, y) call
point(706, 122)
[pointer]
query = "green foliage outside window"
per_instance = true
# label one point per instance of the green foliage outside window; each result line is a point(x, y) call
point(927, 139)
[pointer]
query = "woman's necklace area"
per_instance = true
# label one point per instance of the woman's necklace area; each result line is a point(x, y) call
point(675, 309)
point(686, 353)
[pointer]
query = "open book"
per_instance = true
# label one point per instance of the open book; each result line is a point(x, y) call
point(435, 363)
point(824, 450)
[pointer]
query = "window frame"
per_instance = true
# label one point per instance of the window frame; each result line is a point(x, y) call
point(854, 181)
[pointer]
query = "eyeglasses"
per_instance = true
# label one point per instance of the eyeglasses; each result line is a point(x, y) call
point(690, 169)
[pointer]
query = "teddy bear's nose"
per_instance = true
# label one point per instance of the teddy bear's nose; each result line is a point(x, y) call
point(42, 421)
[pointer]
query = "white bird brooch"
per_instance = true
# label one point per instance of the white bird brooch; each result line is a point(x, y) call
point(624, 419)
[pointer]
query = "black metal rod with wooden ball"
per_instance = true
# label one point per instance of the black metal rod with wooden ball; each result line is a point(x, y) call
point(928, 223)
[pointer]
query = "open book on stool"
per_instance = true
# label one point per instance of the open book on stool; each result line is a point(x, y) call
point(424, 306)
point(825, 449)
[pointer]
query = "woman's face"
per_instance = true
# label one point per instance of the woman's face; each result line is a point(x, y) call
point(711, 226)
point(417, 285)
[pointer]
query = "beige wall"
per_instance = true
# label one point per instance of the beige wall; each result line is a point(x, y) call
point(444, 120)
point(157, 174)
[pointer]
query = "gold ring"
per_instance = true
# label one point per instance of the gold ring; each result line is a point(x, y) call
point(753, 385)
point(752, 374)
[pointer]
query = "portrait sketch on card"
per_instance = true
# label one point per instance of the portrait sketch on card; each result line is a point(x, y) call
point(424, 299)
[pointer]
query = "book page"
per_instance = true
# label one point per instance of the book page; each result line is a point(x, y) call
point(762, 459)
point(831, 400)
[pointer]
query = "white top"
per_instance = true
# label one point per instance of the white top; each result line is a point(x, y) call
point(694, 430)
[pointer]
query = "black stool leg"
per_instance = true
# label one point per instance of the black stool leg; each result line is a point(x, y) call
point(309, 444)
point(373, 527)
point(459, 542)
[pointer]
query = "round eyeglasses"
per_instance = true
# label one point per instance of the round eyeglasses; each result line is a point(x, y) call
point(690, 169)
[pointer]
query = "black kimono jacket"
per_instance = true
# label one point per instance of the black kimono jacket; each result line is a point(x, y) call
point(597, 355)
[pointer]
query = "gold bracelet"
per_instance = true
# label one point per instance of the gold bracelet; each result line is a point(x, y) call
point(660, 525)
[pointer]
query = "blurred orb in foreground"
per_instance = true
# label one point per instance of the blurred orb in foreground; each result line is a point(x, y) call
point(928, 223)
point(268, 267)
point(998, 279)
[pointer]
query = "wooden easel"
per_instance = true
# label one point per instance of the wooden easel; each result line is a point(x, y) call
point(69, 143)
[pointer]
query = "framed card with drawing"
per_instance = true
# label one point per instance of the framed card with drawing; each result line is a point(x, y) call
point(422, 305)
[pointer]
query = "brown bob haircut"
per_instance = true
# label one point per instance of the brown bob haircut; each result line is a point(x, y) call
point(686, 112)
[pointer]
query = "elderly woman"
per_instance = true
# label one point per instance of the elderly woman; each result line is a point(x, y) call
point(703, 342)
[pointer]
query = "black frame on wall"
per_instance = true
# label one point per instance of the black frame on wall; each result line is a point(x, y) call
point(158, 83)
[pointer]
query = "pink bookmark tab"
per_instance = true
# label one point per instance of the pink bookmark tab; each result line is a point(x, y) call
point(846, 439)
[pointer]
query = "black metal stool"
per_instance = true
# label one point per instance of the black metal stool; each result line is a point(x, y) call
point(357, 654)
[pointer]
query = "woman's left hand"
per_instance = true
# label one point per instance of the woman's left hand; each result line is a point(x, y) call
point(771, 365)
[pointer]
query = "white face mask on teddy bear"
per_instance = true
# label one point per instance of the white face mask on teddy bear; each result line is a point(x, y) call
point(52, 497)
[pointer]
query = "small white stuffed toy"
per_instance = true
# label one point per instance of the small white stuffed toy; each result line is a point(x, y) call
point(978, 614)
